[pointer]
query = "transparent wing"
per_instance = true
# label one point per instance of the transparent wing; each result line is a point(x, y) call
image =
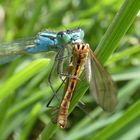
point(101, 84)
point(6, 59)
point(16, 47)
point(9, 51)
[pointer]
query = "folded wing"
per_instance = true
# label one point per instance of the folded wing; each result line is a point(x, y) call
point(101, 84)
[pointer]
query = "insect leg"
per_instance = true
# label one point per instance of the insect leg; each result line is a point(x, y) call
point(58, 63)
point(48, 104)
point(51, 73)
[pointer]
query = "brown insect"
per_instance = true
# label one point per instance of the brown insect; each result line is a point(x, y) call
point(100, 83)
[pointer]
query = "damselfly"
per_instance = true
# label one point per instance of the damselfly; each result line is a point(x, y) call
point(100, 83)
point(43, 42)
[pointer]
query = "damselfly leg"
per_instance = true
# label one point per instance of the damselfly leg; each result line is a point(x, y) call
point(55, 65)
point(49, 102)
point(58, 64)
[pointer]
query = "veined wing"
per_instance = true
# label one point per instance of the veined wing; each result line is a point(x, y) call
point(16, 47)
point(9, 51)
point(101, 84)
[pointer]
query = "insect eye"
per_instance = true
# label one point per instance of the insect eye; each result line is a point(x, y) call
point(68, 31)
point(60, 34)
point(63, 37)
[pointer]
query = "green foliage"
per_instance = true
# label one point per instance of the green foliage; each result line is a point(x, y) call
point(24, 91)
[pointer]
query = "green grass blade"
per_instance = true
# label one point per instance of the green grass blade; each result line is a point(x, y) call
point(133, 73)
point(21, 77)
point(48, 132)
point(119, 26)
point(32, 117)
point(35, 17)
point(118, 56)
point(132, 113)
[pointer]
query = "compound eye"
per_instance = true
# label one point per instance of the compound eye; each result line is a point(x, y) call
point(68, 31)
point(64, 37)
point(67, 37)
point(60, 34)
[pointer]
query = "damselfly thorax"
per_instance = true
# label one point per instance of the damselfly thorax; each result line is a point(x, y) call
point(80, 53)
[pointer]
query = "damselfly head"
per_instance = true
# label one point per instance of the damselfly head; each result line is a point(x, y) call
point(71, 36)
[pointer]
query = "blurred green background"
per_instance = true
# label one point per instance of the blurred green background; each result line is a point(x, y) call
point(24, 91)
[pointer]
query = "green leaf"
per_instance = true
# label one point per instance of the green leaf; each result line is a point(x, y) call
point(119, 26)
point(118, 56)
point(132, 113)
point(21, 77)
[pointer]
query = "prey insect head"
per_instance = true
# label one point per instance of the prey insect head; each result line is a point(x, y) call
point(81, 48)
